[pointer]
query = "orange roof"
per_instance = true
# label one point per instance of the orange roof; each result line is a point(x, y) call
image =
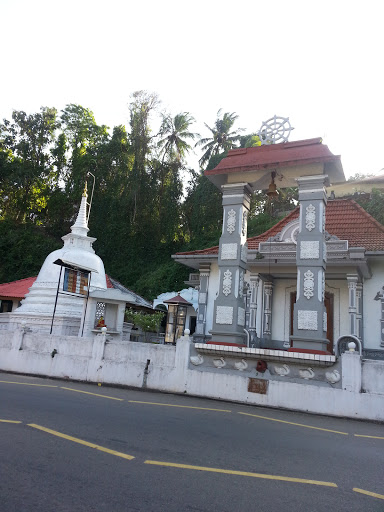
point(344, 218)
point(17, 289)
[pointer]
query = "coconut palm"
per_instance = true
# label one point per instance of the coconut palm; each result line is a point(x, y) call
point(174, 133)
point(222, 138)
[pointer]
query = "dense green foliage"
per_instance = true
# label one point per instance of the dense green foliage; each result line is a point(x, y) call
point(142, 212)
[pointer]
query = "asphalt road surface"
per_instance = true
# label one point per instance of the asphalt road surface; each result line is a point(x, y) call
point(68, 446)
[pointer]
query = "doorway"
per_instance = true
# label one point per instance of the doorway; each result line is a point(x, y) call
point(328, 302)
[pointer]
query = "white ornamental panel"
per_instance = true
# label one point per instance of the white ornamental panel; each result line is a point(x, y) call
point(231, 221)
point(309, 250)
point(224, 315)
point(227, 282)
point(202, 298)
point(244, 250)
point(241, 316)
point(309, 284)
point(307, 320)
point(229, 251)
point(310, 217)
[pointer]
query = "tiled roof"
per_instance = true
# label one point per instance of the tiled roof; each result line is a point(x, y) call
point(344, 218)
point(274, 156)
point(17, 289)
point(178, 299)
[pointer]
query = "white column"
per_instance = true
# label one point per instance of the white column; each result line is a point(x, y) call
point(267, 316)
point(352, 308)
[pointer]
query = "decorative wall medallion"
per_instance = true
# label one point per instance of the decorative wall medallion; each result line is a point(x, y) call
point(333, 377)
point(227, 282)
point(309, 250)
point(241, 365)
point(231, 221)
point(241, 284)
point(244, 224)
point(307, 320)
point(244, 251)
point(202, 298)
point(229, 251)
point(307, 373)
point(282, 370)
point(310, 217)
point(219, 363)
point(197, 360)
point(224, 315)
point(325, 321)
point(241, 316)
point(309, 284)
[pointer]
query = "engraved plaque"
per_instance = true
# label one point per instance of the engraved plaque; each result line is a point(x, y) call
point(229, 251)
point(241, 316)
point(258, 386)
point(309, 250)
point(224, 315)
point(307, 320)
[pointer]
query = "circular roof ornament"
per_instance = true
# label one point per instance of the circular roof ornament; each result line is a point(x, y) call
point(275, 130)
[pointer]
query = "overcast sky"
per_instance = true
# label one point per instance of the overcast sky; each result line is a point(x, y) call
point(318, 63)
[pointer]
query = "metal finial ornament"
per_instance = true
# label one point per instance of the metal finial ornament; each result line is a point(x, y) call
point(275, 130)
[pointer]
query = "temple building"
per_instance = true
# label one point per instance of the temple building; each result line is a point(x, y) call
point(315, 277)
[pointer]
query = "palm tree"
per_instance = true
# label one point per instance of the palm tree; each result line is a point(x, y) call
point(222, 138)
point(173, 132)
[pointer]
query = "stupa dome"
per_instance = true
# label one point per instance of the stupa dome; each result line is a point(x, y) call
point(76, 252)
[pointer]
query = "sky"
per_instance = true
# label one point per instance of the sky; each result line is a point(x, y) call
point(318, 63)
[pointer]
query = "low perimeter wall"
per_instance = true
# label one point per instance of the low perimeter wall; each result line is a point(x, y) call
point(359, 392)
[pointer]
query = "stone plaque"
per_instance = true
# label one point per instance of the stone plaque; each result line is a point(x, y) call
point(202, 298)
point(241, 316)
point(229, 251)
point(309, 249)
point(224, 315)
point(307, 320)
point(258, 386)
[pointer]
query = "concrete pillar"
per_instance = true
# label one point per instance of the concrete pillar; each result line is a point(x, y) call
point(229, 309)
point(199, 335)
point(359, 311)
point(309, 320)
point(351, 371)
point(267, 311)
point(352, 306)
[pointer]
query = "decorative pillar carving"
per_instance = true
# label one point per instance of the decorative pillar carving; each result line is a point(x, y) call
point(199, 335)
point(309, 320)
point(267, 313)
point(229, 308)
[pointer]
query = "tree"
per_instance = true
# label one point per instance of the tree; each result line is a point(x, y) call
point(174, 133)
point(222, 138)
point(27, 171)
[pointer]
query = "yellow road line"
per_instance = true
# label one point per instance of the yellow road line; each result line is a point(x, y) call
point(80, 441)
point(94, 394)
point(9, 421)
point(368, 493)
point(297, 424)
point(182, 406)
point(372, 437)
point(241, 473)
point(27, 384)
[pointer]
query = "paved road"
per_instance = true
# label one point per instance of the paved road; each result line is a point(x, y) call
point(68, 446)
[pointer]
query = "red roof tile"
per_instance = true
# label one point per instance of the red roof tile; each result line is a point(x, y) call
point(344, 218)
point(17, 289)
point(274, 156)
point(178, 299)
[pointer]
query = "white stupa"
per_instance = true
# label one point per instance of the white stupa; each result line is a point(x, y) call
point(78, 253)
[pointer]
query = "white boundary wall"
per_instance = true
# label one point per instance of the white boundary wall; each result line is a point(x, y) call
point(167, 368)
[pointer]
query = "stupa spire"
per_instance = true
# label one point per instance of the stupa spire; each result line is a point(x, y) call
point(80, 227)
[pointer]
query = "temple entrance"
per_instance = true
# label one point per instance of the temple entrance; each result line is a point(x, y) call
point(328, 301)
